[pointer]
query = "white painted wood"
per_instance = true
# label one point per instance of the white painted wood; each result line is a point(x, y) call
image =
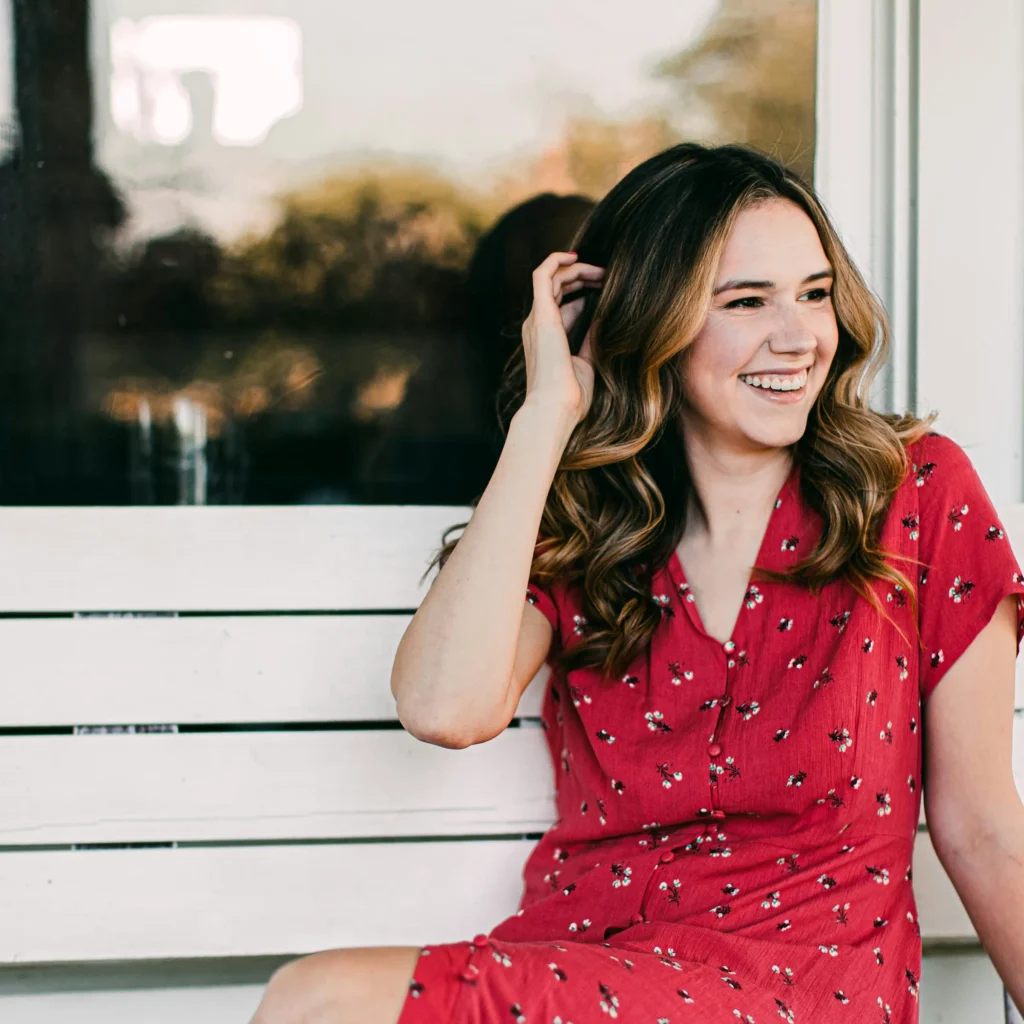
point(281, 668)
point(970, 359)
point(277, 785)
point(224, 786)
point(865, 129)
point(846, 134)
point(220, 669)
point(201, 1004)
point(223, 558)
point(941, 914)
point(269, 785)
point(63, 906)
point(895, 104)
point(960, 987)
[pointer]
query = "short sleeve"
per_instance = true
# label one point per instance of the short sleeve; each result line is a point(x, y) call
point(968, 564)
point(543, 600)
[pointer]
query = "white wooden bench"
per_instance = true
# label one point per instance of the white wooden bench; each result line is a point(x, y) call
point(267, 802)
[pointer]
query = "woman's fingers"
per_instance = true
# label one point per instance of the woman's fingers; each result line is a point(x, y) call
point(553, 374)
point(544, 288)
point(576, 277)
point(577, 293)
point(559, 270)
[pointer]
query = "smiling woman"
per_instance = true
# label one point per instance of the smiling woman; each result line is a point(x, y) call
point(720, 265)
point(747, 597)
point(771, 337)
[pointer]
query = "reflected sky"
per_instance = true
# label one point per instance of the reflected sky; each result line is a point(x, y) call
point(465, 86)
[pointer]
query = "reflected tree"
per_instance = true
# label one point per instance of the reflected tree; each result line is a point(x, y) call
point(750, 78)
point(58, 212)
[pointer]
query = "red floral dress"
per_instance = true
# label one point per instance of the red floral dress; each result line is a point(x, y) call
point(736, 821)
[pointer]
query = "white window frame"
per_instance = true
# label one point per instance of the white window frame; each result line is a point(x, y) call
point(920, 160)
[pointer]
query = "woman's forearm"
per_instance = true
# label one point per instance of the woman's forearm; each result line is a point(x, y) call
point(454, 664)
point(988, 873)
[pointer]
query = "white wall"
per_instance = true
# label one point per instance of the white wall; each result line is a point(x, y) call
point(970, 272)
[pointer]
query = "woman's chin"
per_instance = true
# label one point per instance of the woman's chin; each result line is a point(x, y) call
point(781, 435)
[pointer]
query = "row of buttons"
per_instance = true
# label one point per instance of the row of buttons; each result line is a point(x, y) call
point(471, 972)
point(714, 749)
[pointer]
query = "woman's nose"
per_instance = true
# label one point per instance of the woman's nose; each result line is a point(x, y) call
point(791, 334)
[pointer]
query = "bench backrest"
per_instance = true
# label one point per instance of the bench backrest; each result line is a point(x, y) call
point(256, 794)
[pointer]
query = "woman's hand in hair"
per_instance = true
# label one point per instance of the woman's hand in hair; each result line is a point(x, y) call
point(554, 377)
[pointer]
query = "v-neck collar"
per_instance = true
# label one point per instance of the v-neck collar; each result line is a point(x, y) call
point(769, 556)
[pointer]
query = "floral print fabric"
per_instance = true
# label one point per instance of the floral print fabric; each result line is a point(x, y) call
point(736, 821)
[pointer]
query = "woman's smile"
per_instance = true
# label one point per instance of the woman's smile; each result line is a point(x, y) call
point(786, 386)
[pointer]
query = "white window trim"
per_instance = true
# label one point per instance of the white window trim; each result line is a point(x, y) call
point(920, 161)
point(865, 161)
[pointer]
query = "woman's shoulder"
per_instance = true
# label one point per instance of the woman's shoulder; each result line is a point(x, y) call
point(935, 459)
point(938, 474)
point(943, 486)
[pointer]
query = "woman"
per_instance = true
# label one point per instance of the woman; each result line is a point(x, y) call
point(738, 750)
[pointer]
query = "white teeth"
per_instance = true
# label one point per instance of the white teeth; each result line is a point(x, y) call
point(793, 383)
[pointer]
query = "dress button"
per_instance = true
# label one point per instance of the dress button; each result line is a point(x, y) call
point(715, 749)
point(725, 701)
point(718, 813)
point(667, 857)
point(469, 974)
point(637, 919)
point(480, 940)
point(728, 647)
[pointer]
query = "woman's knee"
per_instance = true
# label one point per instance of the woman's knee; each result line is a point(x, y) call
point(338, 986)
point(307, 990)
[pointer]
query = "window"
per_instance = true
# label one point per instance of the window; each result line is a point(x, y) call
point(270, 253)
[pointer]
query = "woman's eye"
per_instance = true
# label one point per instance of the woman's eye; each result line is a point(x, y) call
point(755, 301)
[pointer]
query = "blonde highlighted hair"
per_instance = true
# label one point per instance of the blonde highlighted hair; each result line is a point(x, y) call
point(616, 508)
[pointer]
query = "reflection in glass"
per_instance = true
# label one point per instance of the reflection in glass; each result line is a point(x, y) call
point(254, 66)
point(276, 253)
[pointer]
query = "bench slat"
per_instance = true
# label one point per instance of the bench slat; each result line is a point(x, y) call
point(281, 668)
point(269, 785)
point(232, 558)
point(278, 785)
point(61, 906)
point(225, 558)
point(269, 900)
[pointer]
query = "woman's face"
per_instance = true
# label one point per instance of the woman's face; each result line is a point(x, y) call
point(771, 325)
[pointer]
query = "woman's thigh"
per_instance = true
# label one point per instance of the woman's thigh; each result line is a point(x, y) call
point(340, 986)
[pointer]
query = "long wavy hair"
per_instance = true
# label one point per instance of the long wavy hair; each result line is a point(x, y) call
point(617, 505)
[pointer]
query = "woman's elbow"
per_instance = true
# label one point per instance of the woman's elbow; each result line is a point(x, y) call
point(444, 731)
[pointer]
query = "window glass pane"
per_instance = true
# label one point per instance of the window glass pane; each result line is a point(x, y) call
point(269, 252)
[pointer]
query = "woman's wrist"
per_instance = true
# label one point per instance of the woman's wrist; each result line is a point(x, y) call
point(544, 423)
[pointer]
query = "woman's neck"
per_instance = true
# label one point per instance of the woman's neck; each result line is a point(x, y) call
point(732, 492)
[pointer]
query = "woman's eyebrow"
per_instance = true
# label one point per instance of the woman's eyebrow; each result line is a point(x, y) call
point(735, 284)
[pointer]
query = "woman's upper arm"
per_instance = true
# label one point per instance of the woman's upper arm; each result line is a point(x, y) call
point(537, 632)
point(971, 618)
point(969, 788)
